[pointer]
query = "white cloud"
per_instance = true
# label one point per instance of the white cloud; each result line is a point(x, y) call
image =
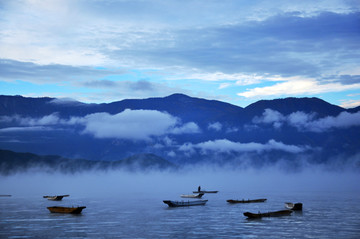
point(217, 126)
point(129, 124)
point(24, 129)
point(187, 148)
point(350, 104)
point(239, 78)
point(64, 101)
point(227, 146)
point(52, 119)
point(134, 125)
point(171, 154)
point(308, 122)
point(270, 117)
point(188, 128)
point(232, 130)
point(299, 119)
point(297, 87)
point(343, 120)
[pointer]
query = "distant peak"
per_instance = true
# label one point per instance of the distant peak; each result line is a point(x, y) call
point(178, 95)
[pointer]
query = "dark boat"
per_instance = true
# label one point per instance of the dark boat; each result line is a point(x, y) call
point(56, 198)
point(246, 201)
point(72, 210)
point(185, 203)
point(268, 214)
point(294, 206)
point(202, 191)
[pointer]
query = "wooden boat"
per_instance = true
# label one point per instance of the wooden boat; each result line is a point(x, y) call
point(203, 191)
point(73, 210)
point(56, 198)
point(294, 206)
point(246, 201)
point(199, 195)
point(185, 203)
point(268, 214)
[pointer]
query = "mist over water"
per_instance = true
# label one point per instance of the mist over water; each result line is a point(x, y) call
point(117, 182)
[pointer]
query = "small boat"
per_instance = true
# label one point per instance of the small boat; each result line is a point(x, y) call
point(185, 203)
point(268, 214)
point(246, 201)
point(202, 191)
point(56, 198)
point(199, 195)
point(294, 206)
point(73, 210)
point(5, 195)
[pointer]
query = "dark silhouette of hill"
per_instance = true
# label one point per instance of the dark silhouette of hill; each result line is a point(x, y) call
point(289, 105)
point(13, 162)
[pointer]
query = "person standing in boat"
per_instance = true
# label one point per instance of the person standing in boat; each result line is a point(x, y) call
point(199, 189)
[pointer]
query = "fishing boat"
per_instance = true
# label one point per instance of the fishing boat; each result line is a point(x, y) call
point(246, 201)
point(268, 214)
point(185, 203)
point(294, 206)
point(56, 198)
point(73, 210)
point(199, 195)
point(202, 191)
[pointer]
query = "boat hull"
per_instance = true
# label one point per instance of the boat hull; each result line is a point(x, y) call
point(268, 214)
point(205, 192)
point(72, 210)
point(192, 196)
point(185, 203)
point(56, 198)
point(294, 206)
point(247, 201)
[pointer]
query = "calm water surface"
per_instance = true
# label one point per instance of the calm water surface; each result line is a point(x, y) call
point(135, 215)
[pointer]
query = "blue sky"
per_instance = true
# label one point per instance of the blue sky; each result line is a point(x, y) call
point(234, 51)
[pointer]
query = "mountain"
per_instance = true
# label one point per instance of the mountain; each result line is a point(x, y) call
point(182, 130)
point(289, 105)
point(185, 107)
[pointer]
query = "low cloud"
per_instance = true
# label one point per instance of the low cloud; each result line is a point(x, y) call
point(270, 117)
point(217, 126)
point(188, 128)
point(64, 101)
point(52, 119)
point(129, 124)
point(308, 122)
point(24, 129)
point(227, 146)
point(134, 124)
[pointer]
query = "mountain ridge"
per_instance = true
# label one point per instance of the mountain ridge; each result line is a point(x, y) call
point(180, 129)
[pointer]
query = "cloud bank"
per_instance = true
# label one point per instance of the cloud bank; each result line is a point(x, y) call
point(227, 146)
point(129, 124)
point(308, 122)
point(135, 125)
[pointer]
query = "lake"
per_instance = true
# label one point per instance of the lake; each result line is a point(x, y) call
point(134, 213)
